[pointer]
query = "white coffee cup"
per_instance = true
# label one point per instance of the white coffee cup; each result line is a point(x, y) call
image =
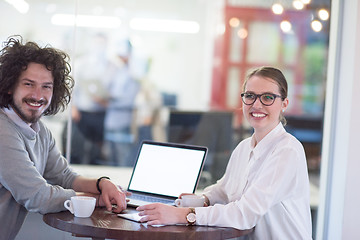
point(190, 201)
point(81, 206)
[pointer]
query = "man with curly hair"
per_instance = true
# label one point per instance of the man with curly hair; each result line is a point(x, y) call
point(34, 176)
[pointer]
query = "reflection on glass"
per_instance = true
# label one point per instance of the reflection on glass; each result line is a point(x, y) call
point(233, 87)
point(242, 33)
point(316, 25)
point(161, 25)
point(277, 8)
point(290, 48)
point(264, 43)
point(286, 26)
point(21, 6)
point(192, 127)
point(323, 14)
point(293, 90)
point(164, 92)
point(315, 58)
point(85, 21)
point(235, 51)
point(234, 22)
point(170, 71)
point(298, 5)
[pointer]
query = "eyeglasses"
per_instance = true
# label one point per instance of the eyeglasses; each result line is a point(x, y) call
point(266, 98)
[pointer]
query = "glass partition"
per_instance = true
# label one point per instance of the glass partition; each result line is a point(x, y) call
point(134, 62)
point(149, 69)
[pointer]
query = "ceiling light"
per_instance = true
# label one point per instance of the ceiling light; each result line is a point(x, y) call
point(234, 22)
point(298, 5)
point(242, 33)
point(21, 5)
point(277, 8)
point(323, 14)
point(306, 1)
point(316, 25)
point(164, 25)
point(285, 26)
point(85, 21)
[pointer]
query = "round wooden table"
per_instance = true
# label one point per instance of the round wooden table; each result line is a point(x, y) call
point(104, 224)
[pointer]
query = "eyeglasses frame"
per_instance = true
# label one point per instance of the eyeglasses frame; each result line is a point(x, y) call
point(259, 96)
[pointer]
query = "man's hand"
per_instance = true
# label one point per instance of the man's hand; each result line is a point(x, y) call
point(112, 194)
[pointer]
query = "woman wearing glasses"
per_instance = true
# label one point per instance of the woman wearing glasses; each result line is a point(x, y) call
point(266, 184)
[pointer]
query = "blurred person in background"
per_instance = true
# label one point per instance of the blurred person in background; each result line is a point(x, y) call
point(93, 73)
point(119, 118)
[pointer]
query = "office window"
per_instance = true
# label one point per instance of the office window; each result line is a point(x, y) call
point(197, 66)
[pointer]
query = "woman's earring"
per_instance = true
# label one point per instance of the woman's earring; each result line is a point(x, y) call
point(283, 110)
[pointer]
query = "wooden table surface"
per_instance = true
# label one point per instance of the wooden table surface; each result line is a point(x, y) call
point(104, 224)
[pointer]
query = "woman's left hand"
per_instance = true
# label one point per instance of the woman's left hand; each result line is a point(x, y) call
point(162, 214)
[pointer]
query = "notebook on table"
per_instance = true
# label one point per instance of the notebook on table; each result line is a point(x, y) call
point(163, 171)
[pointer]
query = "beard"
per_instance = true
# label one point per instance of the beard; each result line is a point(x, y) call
point(34, 115)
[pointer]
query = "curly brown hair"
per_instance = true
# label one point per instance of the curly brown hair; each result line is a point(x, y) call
point(15, 58)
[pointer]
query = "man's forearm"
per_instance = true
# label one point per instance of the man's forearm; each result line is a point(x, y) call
point(83, 184)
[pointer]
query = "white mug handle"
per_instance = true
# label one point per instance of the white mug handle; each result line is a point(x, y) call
point(69, 206)
point(178, 202)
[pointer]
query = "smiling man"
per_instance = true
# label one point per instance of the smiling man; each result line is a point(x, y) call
point(34, 176)
point(33, 92)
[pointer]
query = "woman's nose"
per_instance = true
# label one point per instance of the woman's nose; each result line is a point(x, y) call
point(257, 103)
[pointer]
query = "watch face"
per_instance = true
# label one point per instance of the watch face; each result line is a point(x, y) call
point(191, 218)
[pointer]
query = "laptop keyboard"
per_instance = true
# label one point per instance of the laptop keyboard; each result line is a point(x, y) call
point(150, 199)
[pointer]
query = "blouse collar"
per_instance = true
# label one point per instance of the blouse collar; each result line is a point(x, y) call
point(267, 142)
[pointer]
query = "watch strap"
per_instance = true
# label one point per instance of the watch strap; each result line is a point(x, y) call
point(192, 210)
point(98, 183)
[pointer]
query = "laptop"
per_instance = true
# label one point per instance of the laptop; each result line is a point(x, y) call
point(163, 171)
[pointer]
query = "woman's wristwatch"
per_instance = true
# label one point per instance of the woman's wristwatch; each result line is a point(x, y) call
point(191, 217)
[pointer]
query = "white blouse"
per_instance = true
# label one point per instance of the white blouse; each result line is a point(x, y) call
point(266, 187)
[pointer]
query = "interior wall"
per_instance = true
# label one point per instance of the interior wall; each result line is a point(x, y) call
point(352, 193)
point(340, 196)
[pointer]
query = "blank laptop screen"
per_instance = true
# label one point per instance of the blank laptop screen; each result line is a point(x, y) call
point(167, 170)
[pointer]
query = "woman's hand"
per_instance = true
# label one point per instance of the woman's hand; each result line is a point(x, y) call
point(162, 214)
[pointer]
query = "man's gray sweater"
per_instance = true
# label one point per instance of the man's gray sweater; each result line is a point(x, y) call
point(33, 174)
